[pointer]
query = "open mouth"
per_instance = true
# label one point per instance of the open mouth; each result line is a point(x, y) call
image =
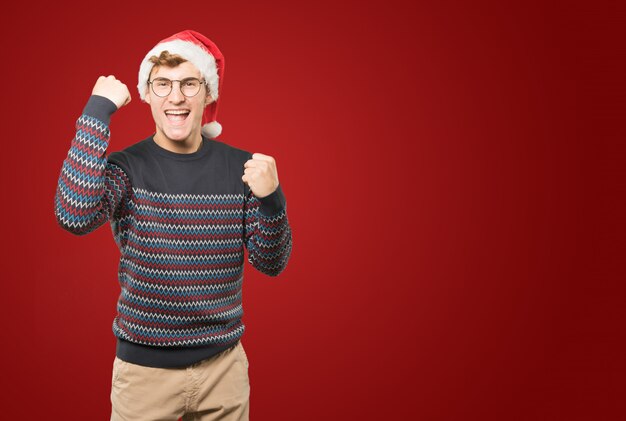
point(177, 116)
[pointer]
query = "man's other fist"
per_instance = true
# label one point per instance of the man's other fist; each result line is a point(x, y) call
point(260, 175)
point(112, 89)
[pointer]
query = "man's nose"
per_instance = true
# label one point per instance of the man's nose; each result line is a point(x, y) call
point(176, 95)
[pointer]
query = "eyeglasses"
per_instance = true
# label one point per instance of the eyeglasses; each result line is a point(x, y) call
point(189, 87)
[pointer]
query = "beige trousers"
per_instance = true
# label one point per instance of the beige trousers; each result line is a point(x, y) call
point(214, 389)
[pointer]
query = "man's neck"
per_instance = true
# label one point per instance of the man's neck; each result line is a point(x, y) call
point(190, 145)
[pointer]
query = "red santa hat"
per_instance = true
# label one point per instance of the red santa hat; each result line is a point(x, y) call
point(202, 53)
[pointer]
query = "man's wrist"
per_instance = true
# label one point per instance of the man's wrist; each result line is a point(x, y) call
point(273, 203)
point(100, 107)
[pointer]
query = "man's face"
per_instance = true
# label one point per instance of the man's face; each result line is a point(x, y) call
point(177, 117)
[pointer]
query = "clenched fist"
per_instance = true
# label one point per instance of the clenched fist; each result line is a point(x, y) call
point(112, 89)
point(260, 175)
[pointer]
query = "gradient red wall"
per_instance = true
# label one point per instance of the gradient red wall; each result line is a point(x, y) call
point(454, 173)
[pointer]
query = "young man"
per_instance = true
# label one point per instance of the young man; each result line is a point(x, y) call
point(182, 207)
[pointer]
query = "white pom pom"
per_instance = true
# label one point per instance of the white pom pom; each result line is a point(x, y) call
point(212, 129)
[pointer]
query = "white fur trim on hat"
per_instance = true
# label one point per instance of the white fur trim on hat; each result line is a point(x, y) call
point(191, 52)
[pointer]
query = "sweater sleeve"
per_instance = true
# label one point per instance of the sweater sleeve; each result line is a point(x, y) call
point(267, 232)
point(90, 190)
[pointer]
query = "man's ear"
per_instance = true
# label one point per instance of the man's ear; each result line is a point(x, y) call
point(147, 95)
point(208, 100)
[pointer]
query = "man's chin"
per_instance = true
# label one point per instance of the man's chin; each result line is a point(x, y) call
point(177, 136)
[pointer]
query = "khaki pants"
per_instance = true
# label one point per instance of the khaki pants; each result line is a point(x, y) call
point(214, 389)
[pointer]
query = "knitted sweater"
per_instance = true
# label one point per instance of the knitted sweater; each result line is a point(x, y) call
point(181, 222)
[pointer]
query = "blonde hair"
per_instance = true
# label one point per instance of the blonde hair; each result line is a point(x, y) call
point(165, 59)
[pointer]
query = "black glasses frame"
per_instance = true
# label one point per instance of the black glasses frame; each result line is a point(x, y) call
point(180, 85)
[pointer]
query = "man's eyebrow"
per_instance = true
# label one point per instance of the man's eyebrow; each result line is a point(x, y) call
point(183, 78)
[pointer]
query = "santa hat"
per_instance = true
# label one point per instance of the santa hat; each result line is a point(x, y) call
point(202, 53)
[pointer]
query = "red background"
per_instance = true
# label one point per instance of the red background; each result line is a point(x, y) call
point(454, 173)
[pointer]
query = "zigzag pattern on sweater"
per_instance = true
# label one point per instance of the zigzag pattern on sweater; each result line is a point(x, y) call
point(182, 269)
point(89, 189)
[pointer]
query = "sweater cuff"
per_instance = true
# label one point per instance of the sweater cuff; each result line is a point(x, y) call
point(272, 203)
point(100, 107)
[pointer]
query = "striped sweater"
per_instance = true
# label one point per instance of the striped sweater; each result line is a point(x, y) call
point(181, 222)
